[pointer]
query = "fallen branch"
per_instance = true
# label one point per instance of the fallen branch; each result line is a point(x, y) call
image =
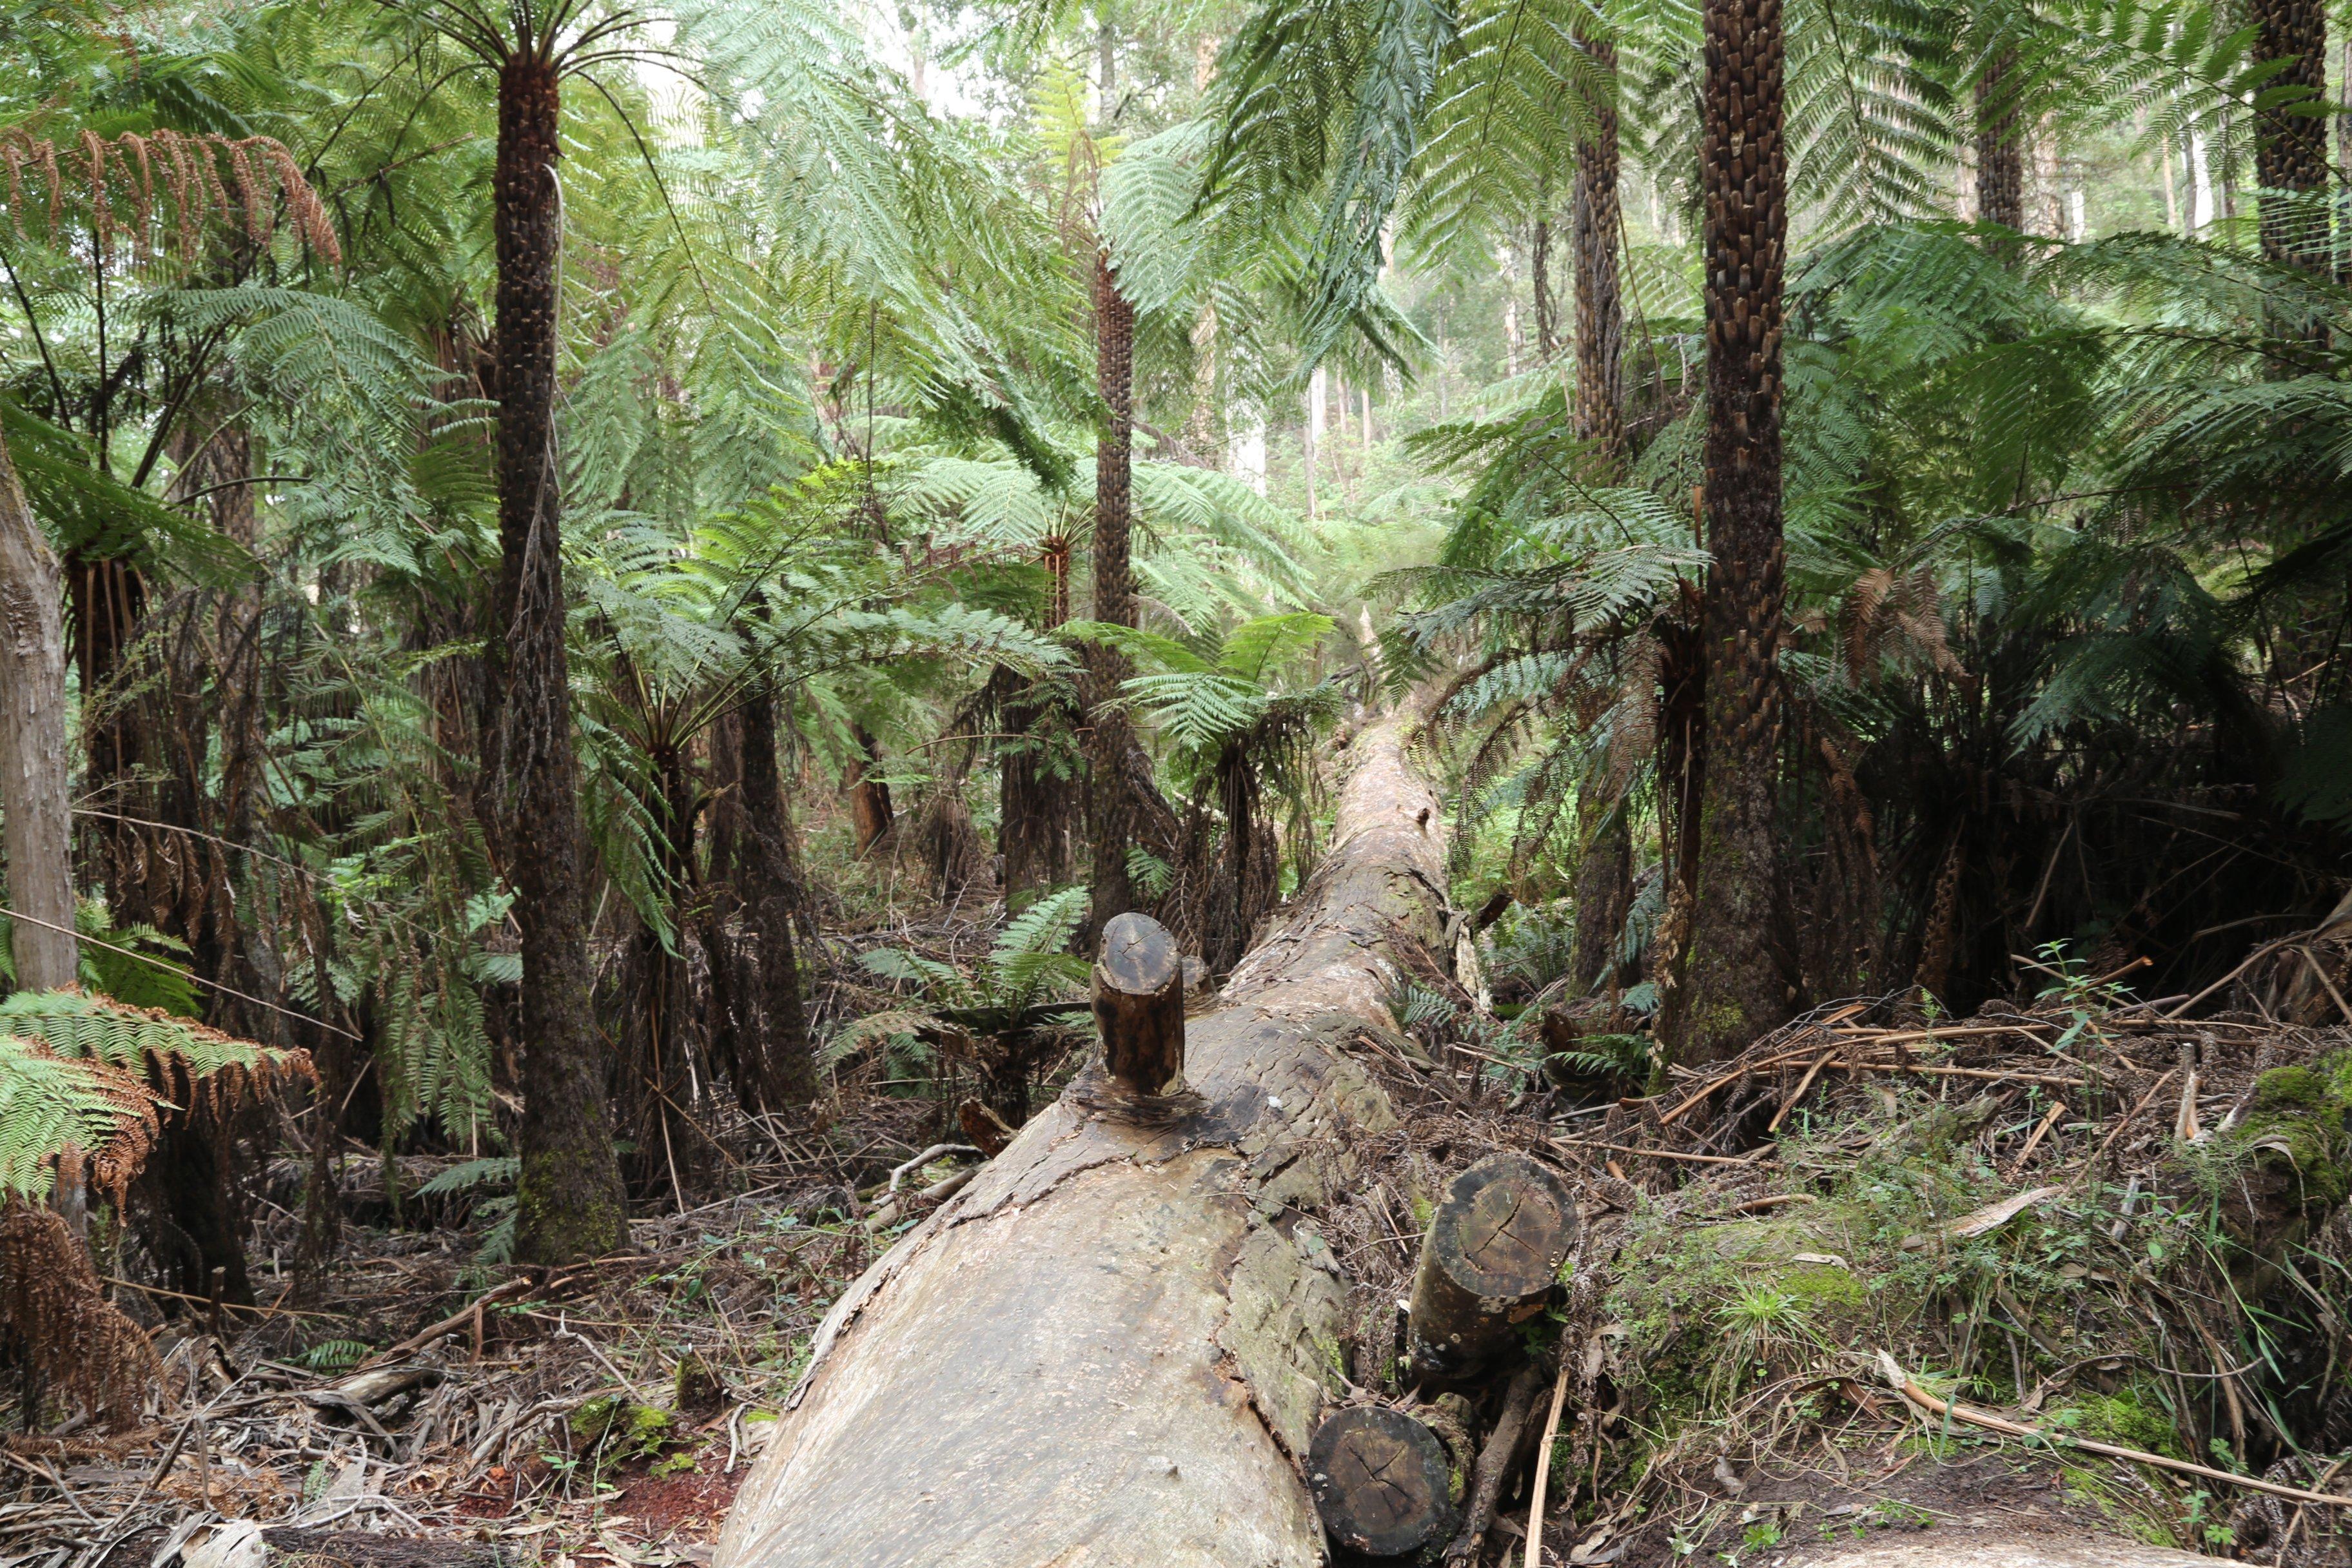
point(1803, 1084)
point(1543, 1466)
point(926, 1157)
point(1495, 1462)
point(1748, 1159)
point(1945, 1410)
point(462, 1317)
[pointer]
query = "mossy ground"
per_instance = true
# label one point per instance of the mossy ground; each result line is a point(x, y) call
point(2101, 1311)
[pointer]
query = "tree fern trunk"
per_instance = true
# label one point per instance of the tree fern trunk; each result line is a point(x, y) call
point(2291, 139)
point(1596, 226)
point(786, 1073)
point(569, 1199)
point(1111, 808)
point(1539, 265)
point(2000, 156)
point(1731, 989)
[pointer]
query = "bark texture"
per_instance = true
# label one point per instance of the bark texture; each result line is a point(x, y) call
point(2291, 138)
point(34, 799)
point(1596, 233)
point(1731, 989)
point(1101, 1351)
point(568, 1203)
point(2000, 154)
point(784, 1070)
point(1112, 806)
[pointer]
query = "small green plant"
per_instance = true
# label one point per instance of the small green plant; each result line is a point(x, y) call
point(991, 1018)
point(495, 1170)
point(335, 1356)
point(2086, 998)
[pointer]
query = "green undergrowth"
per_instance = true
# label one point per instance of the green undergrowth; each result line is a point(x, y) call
point(2096, 1311)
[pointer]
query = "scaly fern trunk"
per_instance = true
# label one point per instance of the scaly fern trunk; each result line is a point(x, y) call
point(2000, 156)
point(2291, 139)
point(1596, 230)
point(1605, 878)
point(1111, 809)
point(1731, 988)
point(785, 1072)
point(568, 1203)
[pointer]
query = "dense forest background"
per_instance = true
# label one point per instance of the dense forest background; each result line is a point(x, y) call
point(621, 577)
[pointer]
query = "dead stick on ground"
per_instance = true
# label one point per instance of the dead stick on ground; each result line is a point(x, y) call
point(2008, 1429)
point(2109, 1142)
point(1495, 1461)
point(2057, 1110)
point(2287, 1540)
point(1543, 1465)
point(1665, 1154)
point(1803, 1084)
point(225, 1306)
point(465, 1316)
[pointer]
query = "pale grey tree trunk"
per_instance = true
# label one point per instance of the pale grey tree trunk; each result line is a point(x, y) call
point(38, 838)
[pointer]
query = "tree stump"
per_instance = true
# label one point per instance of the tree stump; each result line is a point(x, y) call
point(1489, 1260)
point(1140, 1006)
point(1382, 1480)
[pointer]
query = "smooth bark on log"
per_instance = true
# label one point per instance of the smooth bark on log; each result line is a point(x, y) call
point(1108, 1348)
point(1488, 1262)
point(1140, 1006)
point(1382, 1480)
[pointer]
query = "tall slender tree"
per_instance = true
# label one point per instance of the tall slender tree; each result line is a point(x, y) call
point(1111, 803)
point(38, 854)
point(569, 1196)
point(1604, 877)
point(1731, 986)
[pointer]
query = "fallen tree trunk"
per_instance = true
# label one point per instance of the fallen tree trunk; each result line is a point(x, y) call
point(1110, 1346)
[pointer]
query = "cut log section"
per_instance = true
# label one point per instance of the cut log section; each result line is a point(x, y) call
point(1140, 1006)
point(1488, 1264)
point(1113, 1348)
point(1382, 1482)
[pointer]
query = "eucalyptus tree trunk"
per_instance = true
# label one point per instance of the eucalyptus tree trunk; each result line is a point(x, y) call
point(1112, 806)
point(568, 1203)
point(2291, 139)
point(1730, 988)
point(34, 798)
point(1109, 1347)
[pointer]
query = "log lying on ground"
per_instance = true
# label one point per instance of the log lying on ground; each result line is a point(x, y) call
point(1488, 1264)
point(1382, 1480)
point(1109, 1347)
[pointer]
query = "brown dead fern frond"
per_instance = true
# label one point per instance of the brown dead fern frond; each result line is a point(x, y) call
point(79, 1346)
point(51, 1102)
point(247, 184)
point(1899, 615)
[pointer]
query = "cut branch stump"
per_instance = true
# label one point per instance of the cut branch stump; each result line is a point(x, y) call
point(1381, 1482)
point(1140, 1006)
point(1488, 1264)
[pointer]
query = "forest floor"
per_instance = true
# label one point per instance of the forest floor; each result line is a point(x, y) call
point(1882, 1276)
